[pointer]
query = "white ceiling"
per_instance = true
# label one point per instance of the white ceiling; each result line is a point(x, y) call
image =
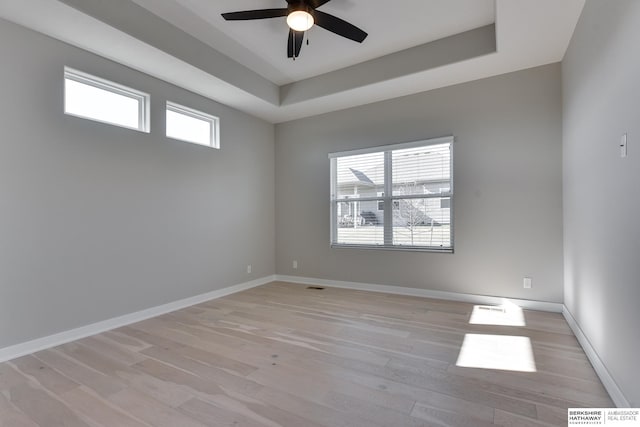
point(413, 46)
point(261, 45)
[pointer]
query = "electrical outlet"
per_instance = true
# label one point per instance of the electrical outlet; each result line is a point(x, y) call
point(295, 264)
point(249, 269)
point(527, 282)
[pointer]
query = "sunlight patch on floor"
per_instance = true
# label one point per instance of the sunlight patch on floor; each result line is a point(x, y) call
point(502, 352)
point(507, 314)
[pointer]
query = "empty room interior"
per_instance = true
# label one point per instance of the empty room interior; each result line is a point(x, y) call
point(318, 213)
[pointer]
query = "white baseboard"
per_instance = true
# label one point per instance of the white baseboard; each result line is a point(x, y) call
point(44, 343)
point(607, 380)
point(425, 293)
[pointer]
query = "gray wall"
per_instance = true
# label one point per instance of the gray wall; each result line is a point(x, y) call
point(508, 187)
point(600, 75)
point(98, 221)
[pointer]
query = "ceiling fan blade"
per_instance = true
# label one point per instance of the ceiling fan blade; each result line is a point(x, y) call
point(338, 26)
point(295, 43)
point(246, 15)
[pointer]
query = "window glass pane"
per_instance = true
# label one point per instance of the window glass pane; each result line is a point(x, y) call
point(94, 103)
point(421, 222)
point(189, 128)
point(360, 176)
point(380, 202)
point(359, 223)
point(421, 170)
point(417, 209)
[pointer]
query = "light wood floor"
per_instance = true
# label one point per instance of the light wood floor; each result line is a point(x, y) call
point(284, 355)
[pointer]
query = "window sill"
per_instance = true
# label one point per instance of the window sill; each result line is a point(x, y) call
point(394, 248)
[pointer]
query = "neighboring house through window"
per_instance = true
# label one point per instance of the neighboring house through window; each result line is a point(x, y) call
point(403, 194)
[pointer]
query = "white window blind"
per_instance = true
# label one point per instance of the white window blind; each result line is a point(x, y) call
point(393, 197)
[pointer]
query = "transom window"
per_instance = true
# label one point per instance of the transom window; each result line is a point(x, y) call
point(393, 197)
point(187, 124)
point(100, 100)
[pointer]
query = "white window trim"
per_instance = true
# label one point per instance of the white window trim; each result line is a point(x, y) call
point(100, 83)
point(214, 138)
point(392, 147)
point(389, 198)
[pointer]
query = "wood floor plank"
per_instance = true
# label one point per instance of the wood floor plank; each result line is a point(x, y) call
point(251, 356)
point(172, 395)
point(11, 416)
point(42, 408)
point(447, 410)
point(507, 419)
point(552, 414)
point(251, 413)
point(375, 414)
point(214, 360)
point(169, 363)
point(106, 376)
point(299, 344)
point(489, 393)
point(93, 359)
point(112, 349)
point(435, 416)
point(102, 384)
point(41, 373)
point(407, 383)
point(284, 355)
point(216, 416)
point(313, 381)
point(151, 411)
point(97, 410)
point(207, 387)
point(124, 340)
point(559, 387)
point(9, 377)
point(312, 411)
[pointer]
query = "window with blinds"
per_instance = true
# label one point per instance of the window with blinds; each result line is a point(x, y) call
point(394, 197)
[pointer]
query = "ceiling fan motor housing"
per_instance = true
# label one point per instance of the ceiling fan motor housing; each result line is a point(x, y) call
point(302, 6)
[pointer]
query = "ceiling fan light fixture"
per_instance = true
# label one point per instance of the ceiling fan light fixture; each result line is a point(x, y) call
point(300, 20)
point(301, 15)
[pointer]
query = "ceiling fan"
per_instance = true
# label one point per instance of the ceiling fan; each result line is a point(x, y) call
point(301, 16)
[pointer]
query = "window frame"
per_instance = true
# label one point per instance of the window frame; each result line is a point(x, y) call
point(142, 98)
point(389, 199)
point(214, 137)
